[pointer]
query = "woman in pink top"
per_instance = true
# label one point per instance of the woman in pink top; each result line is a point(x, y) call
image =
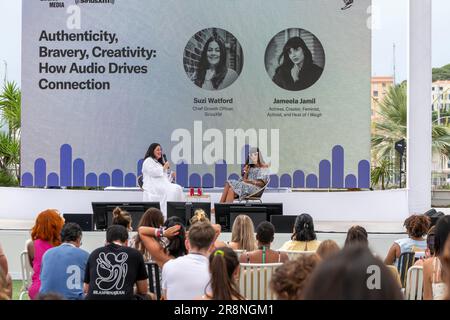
point(45, 234)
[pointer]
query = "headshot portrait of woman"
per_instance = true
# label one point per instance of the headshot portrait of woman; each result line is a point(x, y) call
point(298, 66)
point(158, 178)
point(209, 65)
point(255, 176)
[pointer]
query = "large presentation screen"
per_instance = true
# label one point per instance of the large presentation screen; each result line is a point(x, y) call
point(207, 79)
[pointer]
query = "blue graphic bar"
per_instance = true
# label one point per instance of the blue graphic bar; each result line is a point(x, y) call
point(299, 179)
point(338, 167)
point(40, 173)
point(130, 180)
point(331, 174)
point(66, 165)
point(117, 178)
point(104, 180)
point(182, 174)
point(221, 174)
point(53, 180)
point(78, 173)
point(311, 181)
point(364, 174)
point(91, 180)
point(27, 180)
point(274, 181)
point(351, 182)
point(208, 181)
point(286, 181)
point(139, 167)
point(325, 174)
point(195, 181)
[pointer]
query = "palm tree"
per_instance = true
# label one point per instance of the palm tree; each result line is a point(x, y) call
point(10, 102)
point(391, 127)
point(381, 174)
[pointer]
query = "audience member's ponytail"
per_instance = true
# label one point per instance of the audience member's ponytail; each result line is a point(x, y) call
point(199, 216)
point(222, 265)
point(304, 228)
point(121, 217)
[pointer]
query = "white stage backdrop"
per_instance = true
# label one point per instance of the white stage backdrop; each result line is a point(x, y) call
point(205, 78)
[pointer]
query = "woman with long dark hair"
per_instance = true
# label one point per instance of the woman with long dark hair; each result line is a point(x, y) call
point(212, 71)
point(224, 269)
point(434, 276)
point(304, 237)
point(296, 70)
point(255, 176)
point(157, 183)
point(159, 242)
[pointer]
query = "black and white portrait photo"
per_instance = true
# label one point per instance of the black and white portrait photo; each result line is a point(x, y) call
point(295, 59)
point(213, 59)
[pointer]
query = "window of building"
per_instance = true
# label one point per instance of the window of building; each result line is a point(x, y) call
point(375, 93)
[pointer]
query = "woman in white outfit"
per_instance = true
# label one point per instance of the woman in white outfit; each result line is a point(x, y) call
point(157, 179)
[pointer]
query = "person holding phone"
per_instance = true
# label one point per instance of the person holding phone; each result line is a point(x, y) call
point(157, 184)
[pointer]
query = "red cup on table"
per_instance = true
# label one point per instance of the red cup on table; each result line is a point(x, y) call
point(199, 191)
point(191, 192)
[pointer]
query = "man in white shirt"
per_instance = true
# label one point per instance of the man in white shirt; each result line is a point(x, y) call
point(187, 277)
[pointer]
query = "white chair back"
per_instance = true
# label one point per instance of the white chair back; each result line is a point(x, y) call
point(294, 255)
point(27, 272)
point(239, 253)
point(254, 280)
point(414, 283)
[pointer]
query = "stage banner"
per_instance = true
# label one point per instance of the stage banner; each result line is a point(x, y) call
point(207, 79)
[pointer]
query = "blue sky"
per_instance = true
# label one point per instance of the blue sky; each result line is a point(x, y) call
point(390, 19)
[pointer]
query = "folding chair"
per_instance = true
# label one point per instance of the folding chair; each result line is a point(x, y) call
point(154, 279)
point(256, 196)
point(254, 280)
point(405, 261)
point(27, 272)
point(414, 283)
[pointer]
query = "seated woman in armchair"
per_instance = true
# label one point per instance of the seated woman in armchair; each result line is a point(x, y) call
point(255, 177)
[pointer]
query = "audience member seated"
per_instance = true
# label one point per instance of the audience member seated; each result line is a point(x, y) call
point(356, 236)
point(4, 269)
point(264, 236)
point(4, 292)
point(434, 287)
point(187, 277)
point(113, 270)
point(63, 267)
point(200, 216)
point(224, 270)
point(152, 238)
point(46, 234)
point(290, 279)
point(446, 266)
point(327, 248)
point(175, 246)
point(352, 274)
point(304, 237)
point(122, 217)
point(417, 227)
point(243, 234)
point(429, 251)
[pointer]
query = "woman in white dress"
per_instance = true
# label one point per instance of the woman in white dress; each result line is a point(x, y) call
point(157, 179)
